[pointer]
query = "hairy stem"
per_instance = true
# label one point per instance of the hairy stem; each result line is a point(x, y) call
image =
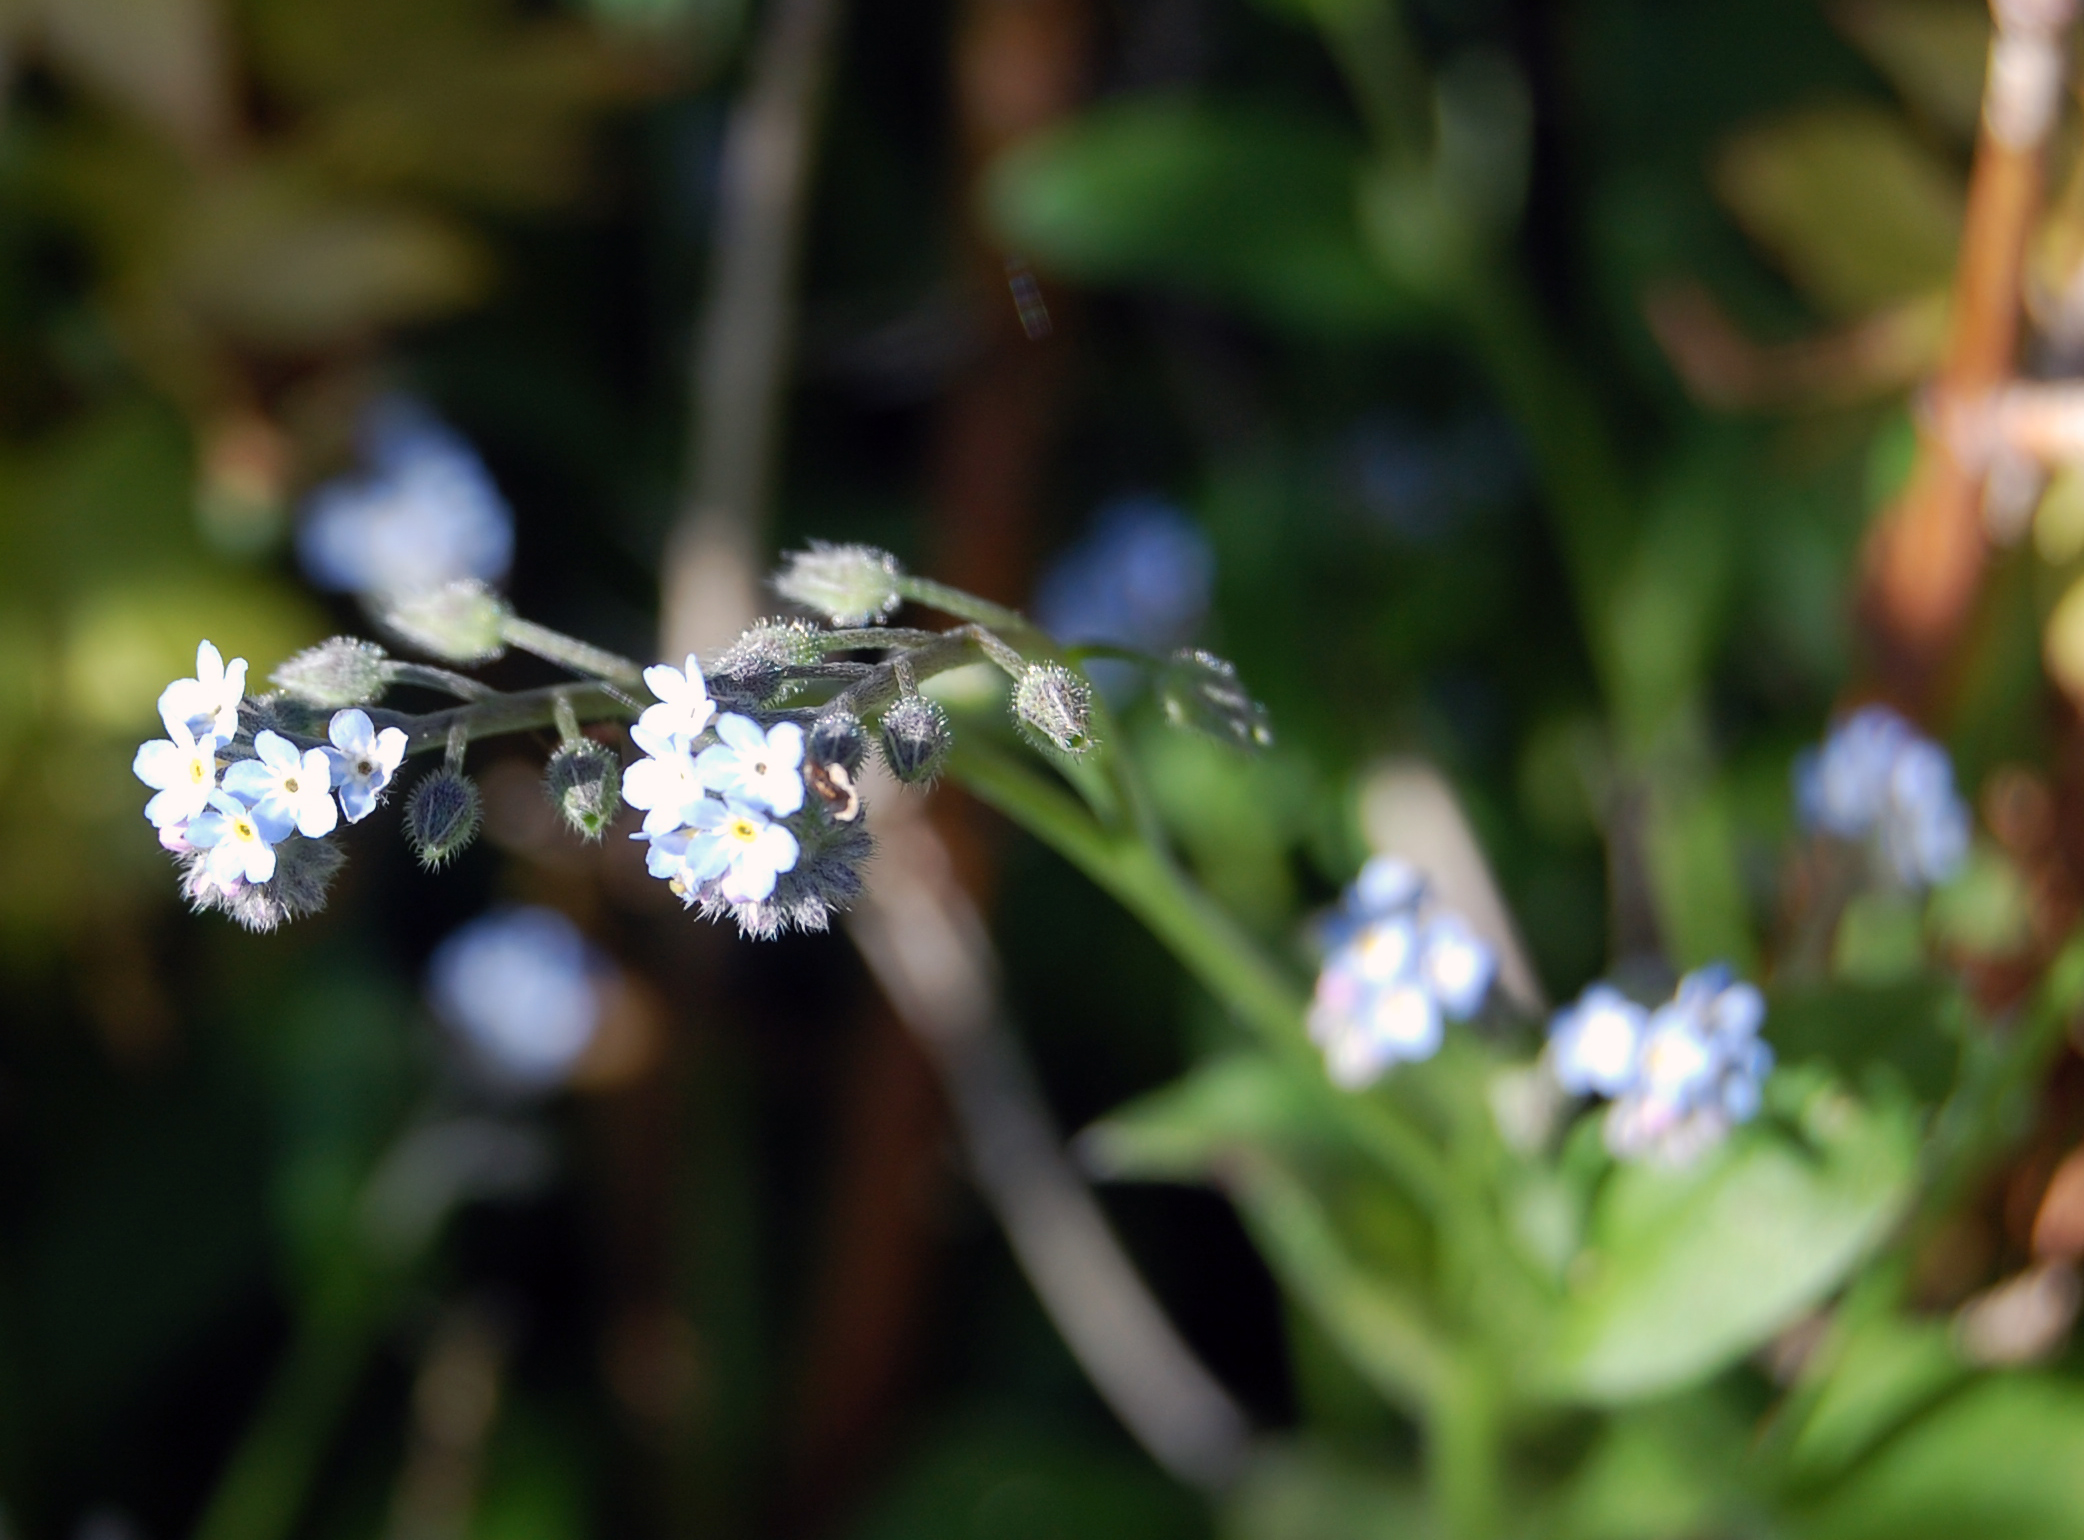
point(523, 711)
point(569, 652)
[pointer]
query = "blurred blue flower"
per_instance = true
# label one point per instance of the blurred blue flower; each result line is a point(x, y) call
point(1680, 1076)
point(1396, 970)
point(1140, 578)
point(521, 989)
point(424, 512)
point(1877, 779)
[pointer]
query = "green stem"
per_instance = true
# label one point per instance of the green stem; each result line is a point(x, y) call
point(967, 606)
point(569, 652)
point(1462, 1462)
point(262, 1491)
point(1229, 964)
point(521, 711)
point(448, 681)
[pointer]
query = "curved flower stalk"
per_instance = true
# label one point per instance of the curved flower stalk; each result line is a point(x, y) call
point(747, 771)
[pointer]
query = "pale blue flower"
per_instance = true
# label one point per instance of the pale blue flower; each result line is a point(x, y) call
point(663, 784)
point(423, 514)
point(239, 844)
point(739, 844)
point(286, 786)
point(1679, 1077)
point(684, 707)
point(208, 703)
point(1141, 579)
point(1395, 973)
point(1877, 780)
point(182, 769)
point(760, 769)
point(522, 989)
point(362, 760)
point(1594, 1044)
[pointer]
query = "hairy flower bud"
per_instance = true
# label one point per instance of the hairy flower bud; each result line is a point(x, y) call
point(460, 622)
point(850, 585)
point(753, 672)
point(442, 816)
point(1201, 692)
point(584, 780)
point(341, 671)
point(304, 870)
point(915, 738)
point(1055, 706)
point(832, 758)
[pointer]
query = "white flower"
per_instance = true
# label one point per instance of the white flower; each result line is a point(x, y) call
point(285, 786)
point(362, 760)
point(208, 703)
point(740, 842)
point(182, 769)
point(240, 845)
point(663, 783)
point(760, 769)
point(684, 707)
point(1455, 965)
point(1593, 1045)
point(1876, 778)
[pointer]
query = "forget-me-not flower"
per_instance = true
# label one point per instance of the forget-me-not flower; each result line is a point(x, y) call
point(663, 784)
point(362, 760)
point(739, 843)
point(684, 708)
point(239, 844)
point(208, 703)
point(1140, 578)
point(761, 769)
point(1397, 970)
point(425, 511)
point(1877, 779)
point(182, 769)
point(284, 785)
point(1678, 1077)
point(522, 989)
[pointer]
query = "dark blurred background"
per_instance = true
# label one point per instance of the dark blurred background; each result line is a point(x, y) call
point(1082, 321)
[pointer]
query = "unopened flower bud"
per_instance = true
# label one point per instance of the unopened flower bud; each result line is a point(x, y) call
point(850, 585)
point(915, 738)
point(584, 780)
point(832, 758)
point(1201, 691)
point(460, 622)
point(342, 671)
point(442, 816)
point(754, 671)
point(1055, 706)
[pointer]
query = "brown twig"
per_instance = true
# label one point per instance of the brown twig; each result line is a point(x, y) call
point(1924, 563)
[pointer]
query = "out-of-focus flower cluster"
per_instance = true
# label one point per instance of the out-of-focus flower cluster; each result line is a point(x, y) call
point(229, 794)
point(521, 990)
point(1878, 781)
point(1397, 967)
point(726, 814)
point(1678, 1077)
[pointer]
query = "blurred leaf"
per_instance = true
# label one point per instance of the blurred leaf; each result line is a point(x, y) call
point(1238, 205)
point(274, 260)
point(1985, 909)
point(1848, 202)
point(1654, 1474)
point(2004, 1457)
point(1303, 1492)
point(1873, 1375)
point(1182, 1132)
point(1689, 1269)
point(1854, 1027)
point(163, 60)
point(1690, 850)
point(1933, 52)
point(1880, 940)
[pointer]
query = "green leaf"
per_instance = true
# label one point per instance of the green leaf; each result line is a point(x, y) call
point(1848, 201)
point(1932, 51)
point(2004, 1458)
point(1241, 206)
point(1689, 1269)
point(1182, 1132)
point(1871, 1377)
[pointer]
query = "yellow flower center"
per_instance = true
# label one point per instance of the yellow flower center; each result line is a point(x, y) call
point(289, 783)
point(197, 772)
point(743, 830)
point(242, 829)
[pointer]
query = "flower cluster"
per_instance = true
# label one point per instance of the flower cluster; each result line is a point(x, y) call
point(1877, 779)
point(1398, 966)
point(1679, 1077)
point(726, 815)
point(228, 795)
point(522, 991)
